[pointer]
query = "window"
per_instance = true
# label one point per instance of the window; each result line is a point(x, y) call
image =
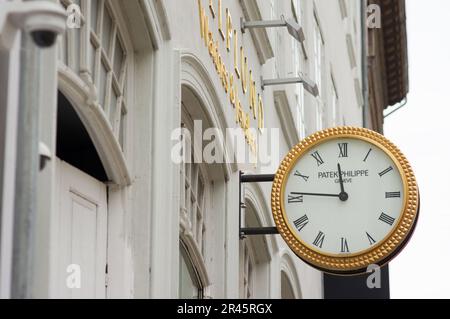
point(247, 271)
point(299, 111)
point(194, 194)
point(97, 54)
point(319, 70)
point(334, 105)
point(193, 189)
point(254, 259)
point(287, 292)
point(298, 56)
point(189, 286)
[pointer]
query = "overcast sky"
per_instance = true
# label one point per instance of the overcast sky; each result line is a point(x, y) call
point(422, 131)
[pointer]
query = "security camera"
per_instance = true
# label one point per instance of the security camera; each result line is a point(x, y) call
point(45, 24)
point(43, 20)
point(44, 38)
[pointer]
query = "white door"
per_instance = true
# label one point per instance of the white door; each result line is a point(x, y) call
point(82, 234)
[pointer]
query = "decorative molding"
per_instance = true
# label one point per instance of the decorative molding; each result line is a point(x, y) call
point(195, 76)
point(289, 128)
point(91, 114)
point(343, 9)
point(254, 196)
point(260, 37)
point(193, 252)
point(163, 20)
point(350, 50)
point(358, 92)
point(150, 16)
point(288, 267)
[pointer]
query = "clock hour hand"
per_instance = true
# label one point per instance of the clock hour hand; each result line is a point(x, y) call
point(343, 196)
point(315, 194)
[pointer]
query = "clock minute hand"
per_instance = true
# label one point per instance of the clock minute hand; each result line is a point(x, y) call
point(315, 194)
point(341, 182)
point(343, 196)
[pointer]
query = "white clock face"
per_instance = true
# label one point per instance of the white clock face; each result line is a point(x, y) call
point(348, 215)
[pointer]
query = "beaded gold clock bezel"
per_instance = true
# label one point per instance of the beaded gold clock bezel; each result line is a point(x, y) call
point(380, 253)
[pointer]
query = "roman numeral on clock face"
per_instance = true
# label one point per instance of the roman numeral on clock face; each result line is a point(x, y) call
point(370, 238)
point(393, 195)
point(297, 173)
point(318, 158)
point(295, 198)
point(367, 156)
point(344, 246)
point(301, 222)
point(318, 242)
point(343, 149)
point(387, 219)
point(387, 170)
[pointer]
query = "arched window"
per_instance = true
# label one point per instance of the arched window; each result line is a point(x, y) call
point(287, 292)
point(194, 197)
point(96, 63)
point(289, 279)
point(203, 187)
point(96, 52)
point(254, 260)
point(190, 286)
point(194, 188)
point(247, 266)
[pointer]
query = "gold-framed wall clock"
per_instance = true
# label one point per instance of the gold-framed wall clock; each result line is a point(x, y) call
point(345, 198)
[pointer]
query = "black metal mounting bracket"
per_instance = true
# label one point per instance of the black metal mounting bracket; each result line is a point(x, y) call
point(252, 231)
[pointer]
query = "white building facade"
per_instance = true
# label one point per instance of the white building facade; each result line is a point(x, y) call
point(112, 205)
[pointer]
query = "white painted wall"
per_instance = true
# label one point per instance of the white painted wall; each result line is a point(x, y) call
point(143, 222)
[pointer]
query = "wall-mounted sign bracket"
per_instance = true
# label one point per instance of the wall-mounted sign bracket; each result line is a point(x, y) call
point(309, 85)
point(252, 231)
point(294, 29)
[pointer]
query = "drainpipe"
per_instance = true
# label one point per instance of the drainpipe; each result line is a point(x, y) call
point(26, 169)
point(364, 71)
point(40, 23)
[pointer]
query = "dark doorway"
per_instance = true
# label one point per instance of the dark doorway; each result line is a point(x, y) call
point(73, 143)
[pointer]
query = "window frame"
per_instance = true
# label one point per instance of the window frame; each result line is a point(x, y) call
point(78, 60)
point(194, 208)
point(319, 72)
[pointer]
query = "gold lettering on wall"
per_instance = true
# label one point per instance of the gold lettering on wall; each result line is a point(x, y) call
point(232, 91)
point(226, 85)
point(244, 70)
point(217, 57)
point(220, 20)
point(210, 43)
point(211, 8)
point(202, 19)
point(239, 113)
point(252, 95)
point(247, 127)
point(241, 73)
point(260, 114)
point(236, 66)
point(205, 27)
point(229, 30)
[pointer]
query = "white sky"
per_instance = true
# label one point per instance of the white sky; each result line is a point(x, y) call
point(421, 131)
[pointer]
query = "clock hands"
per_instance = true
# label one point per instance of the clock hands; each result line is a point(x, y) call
point(316, 194)
point(343, 196)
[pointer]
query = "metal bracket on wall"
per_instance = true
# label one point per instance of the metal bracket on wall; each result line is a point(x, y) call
point(251, 231)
